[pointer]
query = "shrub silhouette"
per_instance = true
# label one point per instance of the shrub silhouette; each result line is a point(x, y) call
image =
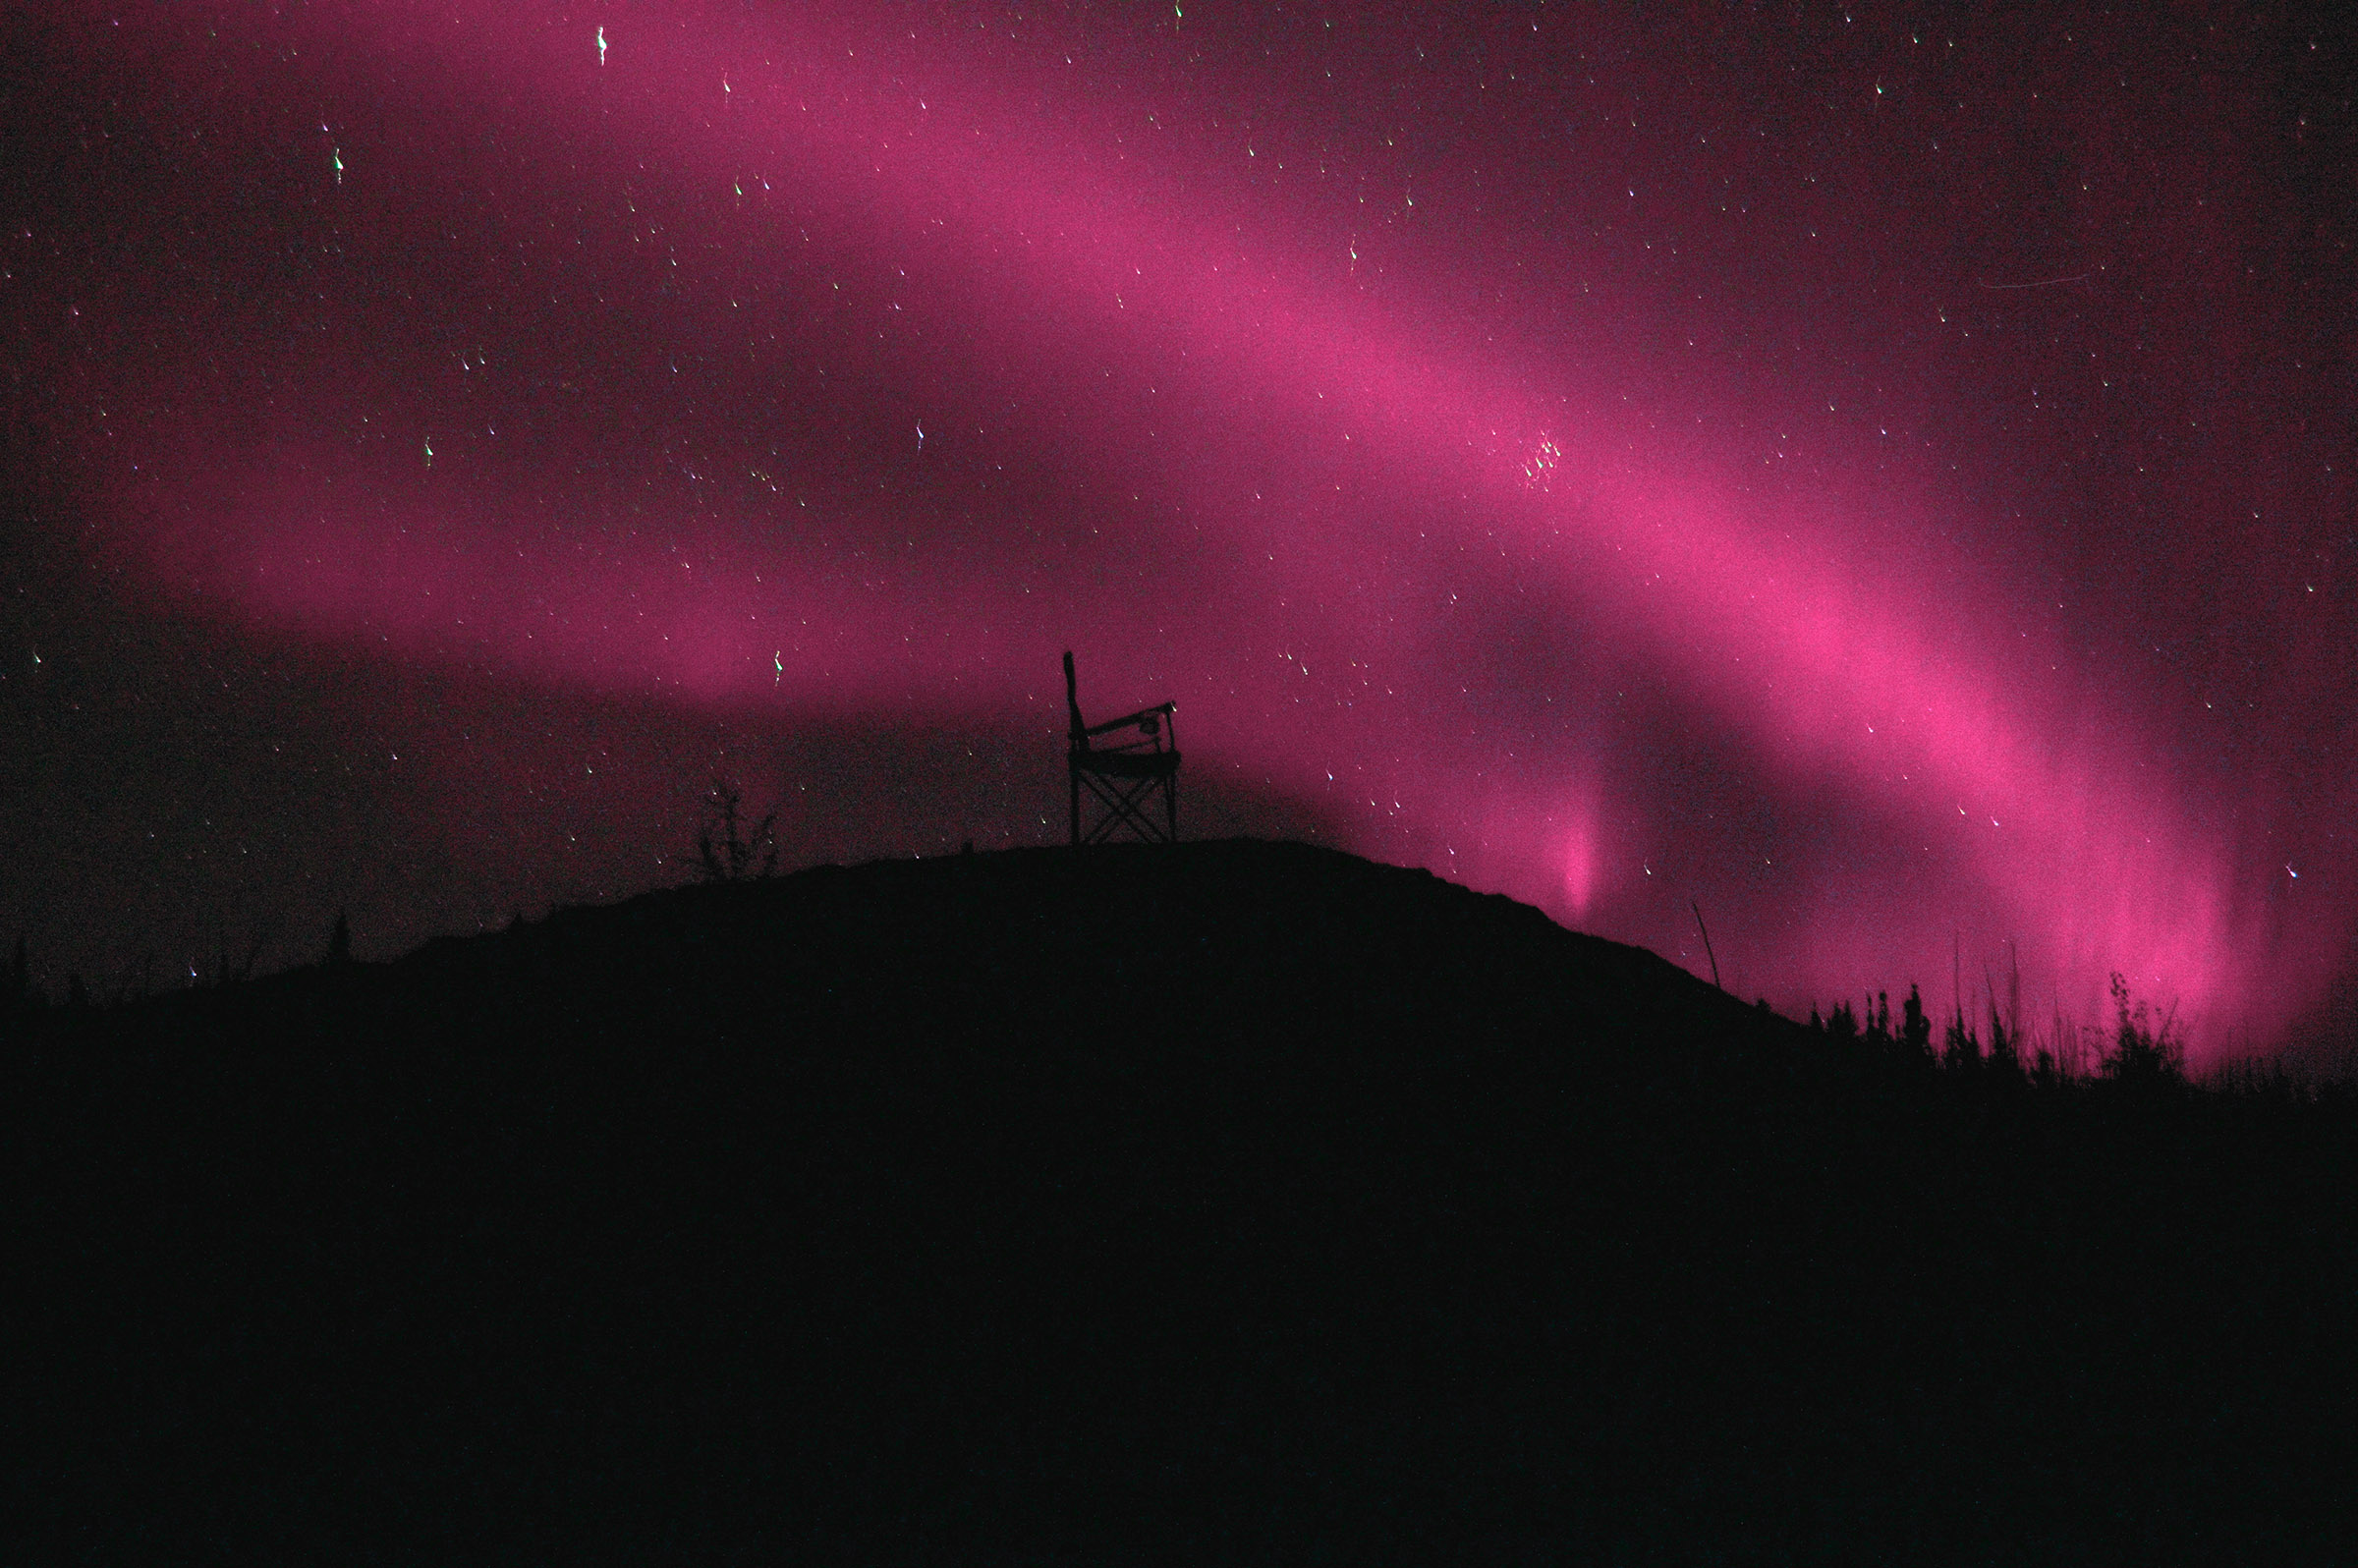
point(726, 849)
point(2142, 1054)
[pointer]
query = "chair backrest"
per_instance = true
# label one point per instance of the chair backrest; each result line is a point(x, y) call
point(1155, 728)
point(1072, 702)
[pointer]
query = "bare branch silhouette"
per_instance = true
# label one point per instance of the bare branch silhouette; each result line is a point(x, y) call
point(727, 848)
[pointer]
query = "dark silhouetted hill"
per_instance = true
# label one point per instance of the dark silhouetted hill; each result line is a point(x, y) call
point(1233, 1201)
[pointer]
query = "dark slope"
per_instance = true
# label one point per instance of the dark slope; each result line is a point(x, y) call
point(1237, 1200)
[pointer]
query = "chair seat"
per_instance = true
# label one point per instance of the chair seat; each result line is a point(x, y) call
point(1127, 765)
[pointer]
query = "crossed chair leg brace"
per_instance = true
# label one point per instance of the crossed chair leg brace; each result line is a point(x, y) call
point(1122, 808)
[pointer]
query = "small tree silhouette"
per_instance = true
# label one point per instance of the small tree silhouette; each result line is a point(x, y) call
point(1843, 1025)
point(2005, 1056)
point(1961, 1050)
point(1914, 1030)
point(726, 849)
point(2142, 1054)
point(339, 942)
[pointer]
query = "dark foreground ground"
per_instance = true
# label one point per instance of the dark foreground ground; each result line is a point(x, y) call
point(1240, 1201)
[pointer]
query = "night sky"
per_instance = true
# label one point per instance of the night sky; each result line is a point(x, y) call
point(1882, 475)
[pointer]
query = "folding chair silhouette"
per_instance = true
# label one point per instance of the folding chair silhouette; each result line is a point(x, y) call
point(1124, 777)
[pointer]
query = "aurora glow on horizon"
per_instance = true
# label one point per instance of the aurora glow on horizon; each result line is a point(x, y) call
point(1885, 480)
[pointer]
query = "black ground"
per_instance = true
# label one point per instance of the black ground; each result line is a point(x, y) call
point(1234, 1201)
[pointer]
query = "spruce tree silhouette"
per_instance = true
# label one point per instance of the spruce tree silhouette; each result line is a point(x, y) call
point(1914, 1030)
point(339, 941)
point(1962, 1051)
point(1879, 1019)
point(1843, 1025)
